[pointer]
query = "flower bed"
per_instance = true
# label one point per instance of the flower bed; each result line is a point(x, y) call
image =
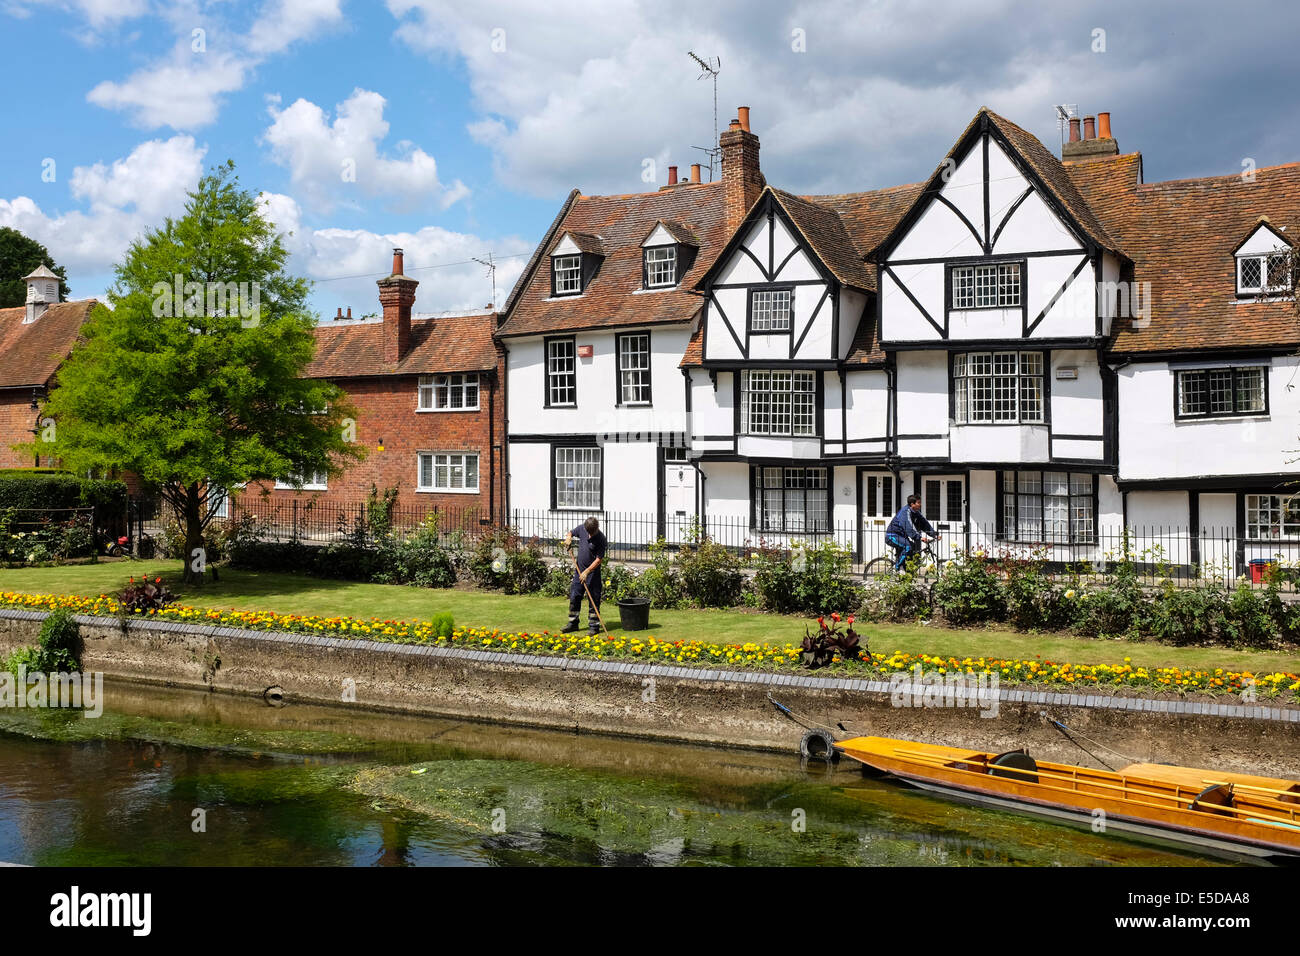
point(1097, 678)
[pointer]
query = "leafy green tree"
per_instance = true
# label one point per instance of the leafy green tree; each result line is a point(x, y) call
point(20, 256)
point(203, 391)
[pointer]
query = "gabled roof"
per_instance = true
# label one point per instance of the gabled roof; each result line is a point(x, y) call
point(613, 298)
point(445, 343)
point(1038, 164)
point(675, 229)
point(1262, 223)
point(583, 240)
point(825, 232)
point(1181, 236)
point(30, 354)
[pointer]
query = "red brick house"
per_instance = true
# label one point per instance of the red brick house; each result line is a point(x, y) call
point(427, 393)
point(35, 338)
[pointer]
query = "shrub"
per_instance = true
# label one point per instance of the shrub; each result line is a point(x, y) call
point(347, 560)
point(806, 578)
point(37, 489)
point(1249, 619)
point(1190, 615)
point(558, 579)
point(710, 574)
point(620, 583)
point(443, 625)
point(59, 649)
point(970, 592)
point(502, 559)
point(291, 557)
point(660, 582)
point(1033, 600)
point(896, 597)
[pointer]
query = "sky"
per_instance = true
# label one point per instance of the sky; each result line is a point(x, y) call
point(455, 129)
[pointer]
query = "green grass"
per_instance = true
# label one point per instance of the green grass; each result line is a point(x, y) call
point(294, 594)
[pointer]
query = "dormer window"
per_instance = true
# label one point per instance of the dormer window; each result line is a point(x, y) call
point(1260, 274)
point(660, 267)
point(666, 255)
point(1263, 262)
point(568, 275)
point(575, 260)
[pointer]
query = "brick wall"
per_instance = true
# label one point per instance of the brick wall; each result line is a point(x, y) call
point(16, 422)
point(386, 411)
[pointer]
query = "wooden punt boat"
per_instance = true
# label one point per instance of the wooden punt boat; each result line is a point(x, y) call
point(1235, 814)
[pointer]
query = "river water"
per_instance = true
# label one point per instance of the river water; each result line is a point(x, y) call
point(172, 777)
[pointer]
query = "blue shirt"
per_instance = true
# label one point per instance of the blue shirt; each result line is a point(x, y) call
point(909, 524)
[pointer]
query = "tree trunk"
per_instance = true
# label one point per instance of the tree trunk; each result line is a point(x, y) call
point(196, 554)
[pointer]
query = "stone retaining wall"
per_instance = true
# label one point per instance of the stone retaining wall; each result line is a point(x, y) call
point(653, 701)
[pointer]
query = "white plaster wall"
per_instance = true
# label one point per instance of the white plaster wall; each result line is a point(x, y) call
point(1074, 314)
point(923, 393)
point(900, 319)
point(1159, 521)
point(530, 470)
point(596, 380)
point(1153, 445)
point(852, 305)
point(1009, 443)
point(868, 405)
point(1077, 407)
point(712, 412)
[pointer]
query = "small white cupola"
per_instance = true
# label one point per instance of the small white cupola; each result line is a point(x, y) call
point(42, 292)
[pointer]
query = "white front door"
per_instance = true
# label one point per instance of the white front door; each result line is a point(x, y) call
point(879, 504)
point(679, 494)
point(943, 502)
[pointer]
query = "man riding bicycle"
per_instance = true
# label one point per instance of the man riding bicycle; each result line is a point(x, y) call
point(908, 529)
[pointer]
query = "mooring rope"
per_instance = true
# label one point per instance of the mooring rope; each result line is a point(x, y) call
point(1069, 735)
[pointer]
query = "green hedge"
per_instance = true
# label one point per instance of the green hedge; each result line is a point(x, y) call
point(38, 488)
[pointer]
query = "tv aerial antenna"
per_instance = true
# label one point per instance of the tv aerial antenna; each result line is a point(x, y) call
point(1064, 113)
point(491, 274)
point(711, 67)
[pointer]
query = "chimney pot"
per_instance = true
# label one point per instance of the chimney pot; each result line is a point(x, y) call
point(1074, 129)
point(339, 314)
point(397, 262)
point(742, 116)
point(349, 312)
point(1089, 127)
point(695, 172)
point(734, 124)
point(1103, 125)
point(672, 175)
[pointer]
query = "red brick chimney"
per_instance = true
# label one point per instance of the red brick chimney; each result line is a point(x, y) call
point(397, 295)
point(1097, 141)
point(742, 180)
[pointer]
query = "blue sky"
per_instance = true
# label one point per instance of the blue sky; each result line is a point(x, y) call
point(466, 124)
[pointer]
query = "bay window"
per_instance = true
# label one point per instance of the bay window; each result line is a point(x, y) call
point(998, 388)
point(778, 402)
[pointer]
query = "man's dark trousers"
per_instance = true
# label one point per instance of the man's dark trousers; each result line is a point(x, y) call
point(576, 594)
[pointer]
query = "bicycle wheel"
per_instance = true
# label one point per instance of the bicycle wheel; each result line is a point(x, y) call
point(878, 567)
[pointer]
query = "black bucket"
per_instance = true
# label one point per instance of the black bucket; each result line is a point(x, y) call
point(634, 613)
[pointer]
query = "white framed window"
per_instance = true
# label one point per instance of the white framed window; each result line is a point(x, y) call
point(315, 481)
point(578, 479)
point(448, 393)
point(795, 500)
point(1270, 517)
point(1048, 507)
point(998, 388)
point(769, 310)
point(994, 286)
point(660, 266)
point(561, 372)
point(567, 274)
point(450, 471)
point(1264, 273)
point(634, 368)
point(778, 402)
point(1221, 392)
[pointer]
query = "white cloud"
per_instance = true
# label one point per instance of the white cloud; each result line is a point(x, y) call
point(334, 256)
point(124, 199)
point(184, 92)
point(98, 13)
point(332, 162)
point(283, 22)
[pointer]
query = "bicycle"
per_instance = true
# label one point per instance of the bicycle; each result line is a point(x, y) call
point(928, 566)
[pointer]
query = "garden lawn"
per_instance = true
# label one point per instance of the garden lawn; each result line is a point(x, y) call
point(295, 594)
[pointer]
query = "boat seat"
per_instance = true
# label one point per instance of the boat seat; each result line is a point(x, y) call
point(1014, 765)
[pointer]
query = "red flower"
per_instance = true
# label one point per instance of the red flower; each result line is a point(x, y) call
point(835, 616)
point(850, 618)
point(821, 620)
point(157, 580)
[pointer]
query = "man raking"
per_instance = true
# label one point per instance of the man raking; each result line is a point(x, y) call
point(586, 574)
